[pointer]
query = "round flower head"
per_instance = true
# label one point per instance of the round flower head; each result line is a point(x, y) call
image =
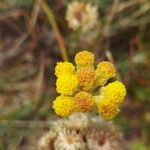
point(67, 84)
point(63, 106)
point(114, 91)
point(84, 58)
point(63, 68)
point(81, 15)
point(86, 77)
point(69, 140)
point(103, 136)
point(84, 101)
point(107, 109)
point(105, 70)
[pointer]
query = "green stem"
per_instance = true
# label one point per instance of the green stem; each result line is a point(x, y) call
point(48, 12)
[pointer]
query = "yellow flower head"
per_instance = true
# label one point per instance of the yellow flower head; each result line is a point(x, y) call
point(63, 105)
point(107, 109)
point(114, 91)
point(86, 77)
point(67, 84)
point(105, 70)
point(84, 58)
point(79, 87)
point(63, 68)
point(84, 101)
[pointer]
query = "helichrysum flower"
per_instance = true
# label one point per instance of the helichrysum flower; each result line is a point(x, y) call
point(107, 109)
point(106, 138)
point(115, 92)
point(63, 105)
point(81, 15)
point(95, 134)
point(105, 70)
point(69, 140)
point(67, 84)
point(64, 68)
point(84, 58)
point(86, 77)
point(46, 142)
point(83, 101)
point(78, 87)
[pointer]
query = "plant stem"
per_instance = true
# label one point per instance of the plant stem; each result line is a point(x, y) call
point(48, 12)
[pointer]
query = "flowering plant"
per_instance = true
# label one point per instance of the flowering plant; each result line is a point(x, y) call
point(81, 131)
point(84, 88)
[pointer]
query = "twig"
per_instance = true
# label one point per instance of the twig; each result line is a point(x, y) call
point(109, 18)
point(25, 124)
point(14, 14)
point(127, 21)
point(105, 30)
point(34, 15)
point(48, 12)
point(124, 5)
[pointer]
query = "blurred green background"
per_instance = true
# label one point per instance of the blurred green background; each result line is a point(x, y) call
point(29, 50)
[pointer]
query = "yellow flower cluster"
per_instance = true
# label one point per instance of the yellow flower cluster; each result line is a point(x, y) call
point(84, 88)
point(114, 91)
point(64, 105)
point(111, 96)
point(107, 109)
point(63, 68)
point(86, 77)
point(67, 84)
point(83, 101)
point(84, 59)
point(105, 70)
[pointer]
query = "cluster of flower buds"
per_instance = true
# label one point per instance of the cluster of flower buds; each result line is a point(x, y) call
point(84, 88)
